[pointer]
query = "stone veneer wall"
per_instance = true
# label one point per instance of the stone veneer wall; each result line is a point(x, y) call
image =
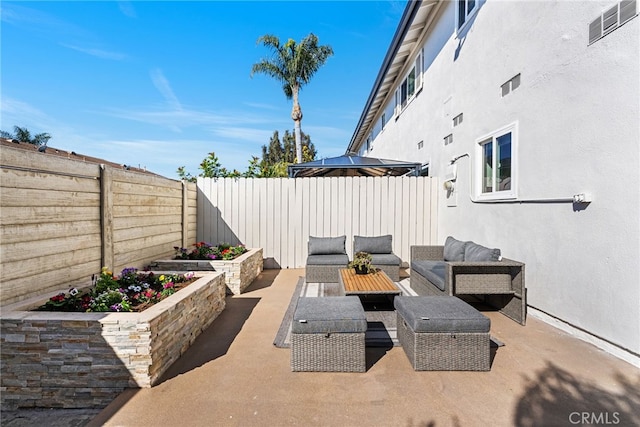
point(84, 360)
point(239, 272)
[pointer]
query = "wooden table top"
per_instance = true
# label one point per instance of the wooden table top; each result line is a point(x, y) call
point(374, 283)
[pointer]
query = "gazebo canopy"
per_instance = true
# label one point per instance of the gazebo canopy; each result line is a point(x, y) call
point(352, 165)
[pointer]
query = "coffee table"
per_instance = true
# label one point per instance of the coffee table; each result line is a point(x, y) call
point(369, 287)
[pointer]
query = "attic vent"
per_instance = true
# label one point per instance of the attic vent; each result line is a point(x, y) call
point(611, 19)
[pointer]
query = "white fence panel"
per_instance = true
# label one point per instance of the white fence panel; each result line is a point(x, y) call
point(279, 214)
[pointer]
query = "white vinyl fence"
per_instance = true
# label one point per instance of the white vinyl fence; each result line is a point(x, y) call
point(279, 214)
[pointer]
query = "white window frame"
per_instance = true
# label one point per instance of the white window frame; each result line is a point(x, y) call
point(496, 194)
point(416, 70)
point(461, 26)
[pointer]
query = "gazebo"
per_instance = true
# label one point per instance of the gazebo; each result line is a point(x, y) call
point(352, 165)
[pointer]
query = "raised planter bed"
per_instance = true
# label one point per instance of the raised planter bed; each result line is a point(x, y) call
point(239, 272)
point(84, 360)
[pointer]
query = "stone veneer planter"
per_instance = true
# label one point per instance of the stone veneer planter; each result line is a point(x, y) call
point(84, 360)
point(239, 272)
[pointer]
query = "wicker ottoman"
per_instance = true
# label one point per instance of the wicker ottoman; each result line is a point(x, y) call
point(443, 333)
point(327, 335)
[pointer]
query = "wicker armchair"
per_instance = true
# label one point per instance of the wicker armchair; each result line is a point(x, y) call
point(499, 283)
point(327, 255)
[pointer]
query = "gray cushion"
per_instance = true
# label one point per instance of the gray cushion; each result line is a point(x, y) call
point(440, 314)
point(373, 245)
point(329, 314)
point(385, 259)
point(327, 245)
point(335, 259)
point(433, 271)
point(477, 253)
point(454, 249)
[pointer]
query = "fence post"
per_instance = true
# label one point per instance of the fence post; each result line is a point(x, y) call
point(106, 214)
point(185, 214)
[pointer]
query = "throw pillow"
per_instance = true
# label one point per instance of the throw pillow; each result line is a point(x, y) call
point(477, 253)
point(454, 249)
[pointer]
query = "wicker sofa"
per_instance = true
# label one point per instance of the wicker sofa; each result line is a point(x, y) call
point(327, 255)
point(466, 268)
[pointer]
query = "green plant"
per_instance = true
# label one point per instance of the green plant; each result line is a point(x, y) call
point(362, 261)
point(205, 251)
point(131, 291)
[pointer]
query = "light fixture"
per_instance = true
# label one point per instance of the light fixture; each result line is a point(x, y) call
point(449, 185)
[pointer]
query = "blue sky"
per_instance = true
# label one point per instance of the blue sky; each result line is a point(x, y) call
point(162, 84)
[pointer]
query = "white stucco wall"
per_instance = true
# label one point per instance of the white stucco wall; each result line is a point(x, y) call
point(578, 115)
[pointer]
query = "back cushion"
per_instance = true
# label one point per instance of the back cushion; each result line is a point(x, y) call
point(373, 245)
point(454, 249)
point(327, 245)
point(474, 252)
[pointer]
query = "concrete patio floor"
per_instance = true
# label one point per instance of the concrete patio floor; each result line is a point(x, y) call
point(234, 375)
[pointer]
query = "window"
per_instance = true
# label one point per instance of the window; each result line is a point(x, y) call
point(457, 120)
point(388, 113)
point(411, 84)
point(424, 170)
point(465, 9)
point(496, 164)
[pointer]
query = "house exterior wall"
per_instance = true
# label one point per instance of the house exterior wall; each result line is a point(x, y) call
point(576, 112)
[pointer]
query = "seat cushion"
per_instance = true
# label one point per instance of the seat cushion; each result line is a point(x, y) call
point(327, 245)
point(478, 253)
point(440, 314)
point(329, 314)
point(385, 259)
point(335, 259)
point(373, 245)
point(433, 271)
point(454, 249)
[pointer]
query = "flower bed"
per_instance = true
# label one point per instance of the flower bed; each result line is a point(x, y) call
point(84, 360)
point(239, 272)
point(131, 291)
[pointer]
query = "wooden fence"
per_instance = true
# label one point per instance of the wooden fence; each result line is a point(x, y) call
point(62, 220)
point(279, 214)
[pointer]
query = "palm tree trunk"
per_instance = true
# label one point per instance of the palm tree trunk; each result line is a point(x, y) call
point(296, 115)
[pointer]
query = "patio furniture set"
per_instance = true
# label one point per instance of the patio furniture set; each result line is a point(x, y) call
point(436, 329)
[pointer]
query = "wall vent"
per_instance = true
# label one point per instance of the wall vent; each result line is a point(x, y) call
point(611, 19)
point(510, 85)
point(457, 120)
point(448, 139)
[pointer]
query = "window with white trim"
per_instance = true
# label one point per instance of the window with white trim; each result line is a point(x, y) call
point(465, 9)
point(496, 165)
point(410, 85)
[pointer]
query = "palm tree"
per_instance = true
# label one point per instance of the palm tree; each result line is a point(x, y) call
point(23, 135)
point(293, 64)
